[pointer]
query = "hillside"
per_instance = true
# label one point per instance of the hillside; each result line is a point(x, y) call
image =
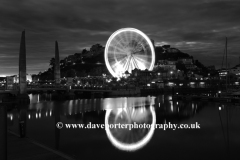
point(167, 53)
point(91, 62)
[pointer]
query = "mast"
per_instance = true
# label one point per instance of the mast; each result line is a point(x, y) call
point(226, 105)
point(226, 65)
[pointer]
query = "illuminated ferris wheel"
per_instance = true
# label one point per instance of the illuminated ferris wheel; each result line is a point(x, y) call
point(127, 49)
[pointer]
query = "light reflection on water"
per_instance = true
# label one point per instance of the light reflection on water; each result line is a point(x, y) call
point(45, 108)
point(130, 111)
point(42, 115)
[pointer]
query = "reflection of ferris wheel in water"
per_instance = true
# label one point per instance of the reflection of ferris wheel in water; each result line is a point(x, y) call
point(127, 49)
point(133, 139)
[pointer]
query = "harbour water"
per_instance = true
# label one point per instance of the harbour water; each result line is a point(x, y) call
point(217, 138)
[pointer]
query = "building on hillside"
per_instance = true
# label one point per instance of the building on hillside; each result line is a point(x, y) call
point(185, 60)
point(172, 50)
point(211, 68)
point(188, 62)
point(167, 64)
point(222, 73)
point(171, 62)
point(168, 74)
point(235, 70)
point(143, 75)
point(190, 66)
point(137, 72)
point(213, 76)
point(198, 76)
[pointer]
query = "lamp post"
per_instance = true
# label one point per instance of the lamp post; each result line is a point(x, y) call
point(3, 133)
point(104, 76)
point(209, 80)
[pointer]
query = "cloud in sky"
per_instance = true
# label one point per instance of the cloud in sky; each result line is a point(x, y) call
point(198, 28)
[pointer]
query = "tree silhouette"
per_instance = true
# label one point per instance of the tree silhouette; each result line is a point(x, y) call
point(52, 62)
point(71, 73)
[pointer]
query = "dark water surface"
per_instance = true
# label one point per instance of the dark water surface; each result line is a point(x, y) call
point(217, 138)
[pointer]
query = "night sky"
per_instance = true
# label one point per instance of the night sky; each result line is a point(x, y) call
point(197, 27)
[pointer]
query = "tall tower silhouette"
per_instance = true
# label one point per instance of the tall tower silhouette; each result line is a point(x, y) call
point(22, 66)
point(22, 96)
point(57, 67)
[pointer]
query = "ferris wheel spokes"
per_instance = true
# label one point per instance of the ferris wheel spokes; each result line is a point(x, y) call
point(134, 61)
point(143, 62)
point(123, 51)
point(127, 49)
point(121, 63)
point(131, 64)
point(127, 64)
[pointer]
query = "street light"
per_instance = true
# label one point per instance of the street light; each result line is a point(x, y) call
point(104, 76)
point(171, 73)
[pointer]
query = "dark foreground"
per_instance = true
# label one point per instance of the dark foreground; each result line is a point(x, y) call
point(218, 137)
point(27, 149)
